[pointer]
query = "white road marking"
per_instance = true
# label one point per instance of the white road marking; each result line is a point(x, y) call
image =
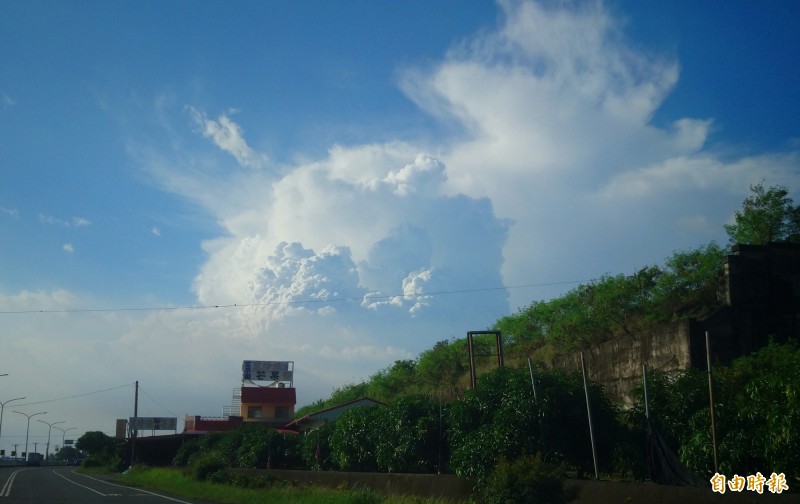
point(131, 488)
point(6, 490)
point(78, 484)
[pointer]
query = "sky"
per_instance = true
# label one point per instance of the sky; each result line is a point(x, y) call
point(187, 185)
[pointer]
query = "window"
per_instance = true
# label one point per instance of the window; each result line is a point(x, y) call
point(254, 412)
point(281, 412)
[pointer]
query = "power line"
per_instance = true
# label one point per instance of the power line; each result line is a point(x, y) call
point(274, 303)
point(158, 403)
point(74, 396)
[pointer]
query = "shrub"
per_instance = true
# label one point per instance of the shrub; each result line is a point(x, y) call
point(186, 452)
point(203, 465)
point(526, 479)
point(364, 496)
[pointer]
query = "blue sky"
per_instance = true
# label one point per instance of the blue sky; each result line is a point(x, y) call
point(313, 162)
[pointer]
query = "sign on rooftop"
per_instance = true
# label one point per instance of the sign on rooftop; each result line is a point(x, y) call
point(276, 371)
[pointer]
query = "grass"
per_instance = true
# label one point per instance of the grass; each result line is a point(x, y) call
point(176, 482)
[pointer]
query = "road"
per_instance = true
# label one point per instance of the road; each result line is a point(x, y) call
point(63, 485)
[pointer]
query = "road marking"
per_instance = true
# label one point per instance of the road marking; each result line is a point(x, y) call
point(6, 490)
point(78, 484)
point(131, 488)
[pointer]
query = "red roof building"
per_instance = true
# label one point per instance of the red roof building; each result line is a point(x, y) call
point(271, 405)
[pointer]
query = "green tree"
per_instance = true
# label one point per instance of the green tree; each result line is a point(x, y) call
point(500, 420)
point(393, 382)
point(409, 440)
point(67, 453)
point(687, 285)
point(96, 443)
point(355, 436)
point(315, 447)
point(620, 302)
point(441, 368)
point(767, 215)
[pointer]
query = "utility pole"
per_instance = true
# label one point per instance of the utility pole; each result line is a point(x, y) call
point(133, 429)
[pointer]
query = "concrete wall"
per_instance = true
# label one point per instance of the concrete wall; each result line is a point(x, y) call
point(432, 486)
point(617, 364)
point(760, 293)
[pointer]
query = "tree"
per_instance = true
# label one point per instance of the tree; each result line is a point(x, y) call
point(441, 367)
point(409, 439)
point(688, 283)
point(767, 215)
point(353, 442)
point(500, 420)
point(95, 443)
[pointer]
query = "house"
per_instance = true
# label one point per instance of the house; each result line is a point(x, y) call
point(319, 418)
point(272, 406)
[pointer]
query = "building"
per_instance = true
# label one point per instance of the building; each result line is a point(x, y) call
point(319, 418)
point(271, 406)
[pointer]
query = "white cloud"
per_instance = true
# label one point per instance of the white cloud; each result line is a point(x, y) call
point(227, 135)
point(7, 101)
point(54, 221)
point(557, 106)
point(68, 248)
point(561, 177)
point(12, 212)
point(155, 231)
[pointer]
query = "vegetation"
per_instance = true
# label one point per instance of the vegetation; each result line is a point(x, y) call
point(767, 215)
point(516, 445)
point(242, 489)
point(526, 479)
point(102, 450)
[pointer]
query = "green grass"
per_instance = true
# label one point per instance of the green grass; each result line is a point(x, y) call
point(176, 482)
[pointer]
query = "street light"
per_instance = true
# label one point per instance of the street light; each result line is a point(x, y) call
point(63, 433)
point(28, 430)
point(2, 407)
point(50, 425)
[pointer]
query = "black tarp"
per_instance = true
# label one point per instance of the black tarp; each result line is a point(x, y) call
point(665, 467)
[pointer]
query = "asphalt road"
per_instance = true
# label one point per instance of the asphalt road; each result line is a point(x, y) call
point(63, 485)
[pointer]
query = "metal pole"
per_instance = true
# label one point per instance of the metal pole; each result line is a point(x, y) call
point(711, 403)
point(64, 433)
point(49, 430)
point(500, 359)
point(646, 401)
point(2, 407)
point(589, 413)
point(135, 416)
point(647, 422)
point(28, 430)
point(472, 371)
point(533, 383)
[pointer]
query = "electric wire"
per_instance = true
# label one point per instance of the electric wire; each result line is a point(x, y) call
point(74, 396)
point(296, 302)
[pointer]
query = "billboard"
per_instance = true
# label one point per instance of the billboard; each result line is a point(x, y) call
point(153, 423)
point(267, 370)
point(122, 428)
